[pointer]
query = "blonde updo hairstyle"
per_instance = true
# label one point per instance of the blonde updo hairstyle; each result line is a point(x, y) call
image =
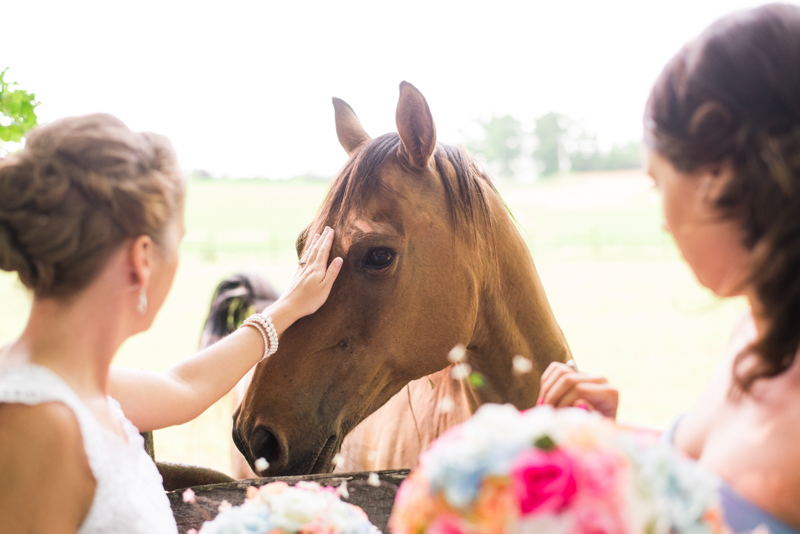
point(81, 188)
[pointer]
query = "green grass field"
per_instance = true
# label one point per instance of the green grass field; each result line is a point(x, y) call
point(630, 308)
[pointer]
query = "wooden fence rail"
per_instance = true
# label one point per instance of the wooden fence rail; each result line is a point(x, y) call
point(376, 501)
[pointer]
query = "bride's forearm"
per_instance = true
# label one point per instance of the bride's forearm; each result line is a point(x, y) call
point(158, 400)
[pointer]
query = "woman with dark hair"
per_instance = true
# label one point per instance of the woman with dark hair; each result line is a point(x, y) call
point(91, 215)
point(722, 129)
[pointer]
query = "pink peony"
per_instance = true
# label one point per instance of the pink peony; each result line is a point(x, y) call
point(597, 516)
point(415, 506)
point(445, 524)
point(601, 472)
point(544, 481)
point(495, 507)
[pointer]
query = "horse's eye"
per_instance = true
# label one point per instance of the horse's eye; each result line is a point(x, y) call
point(378, 258)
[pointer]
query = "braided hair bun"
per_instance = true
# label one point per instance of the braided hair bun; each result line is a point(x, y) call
point(75, 193)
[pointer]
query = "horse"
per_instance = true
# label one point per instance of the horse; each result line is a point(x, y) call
point(432, 260)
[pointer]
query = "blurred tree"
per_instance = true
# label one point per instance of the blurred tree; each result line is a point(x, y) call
point(561, 145)
point(501, 144)
point(17, 112)
point(550, 130)
point(587, 157)
point(584, 154)
point(627, 156)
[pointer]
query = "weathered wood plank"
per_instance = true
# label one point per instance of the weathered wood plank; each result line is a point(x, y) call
point(181, 476)
point(149, 445)
point(375, 501)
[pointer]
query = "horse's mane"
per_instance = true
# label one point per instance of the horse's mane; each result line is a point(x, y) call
point(467, 193)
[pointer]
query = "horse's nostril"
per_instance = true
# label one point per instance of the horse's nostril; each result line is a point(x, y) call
point(264, 444)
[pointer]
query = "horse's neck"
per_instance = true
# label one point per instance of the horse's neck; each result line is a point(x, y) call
point(515, 318)
point(394, 435)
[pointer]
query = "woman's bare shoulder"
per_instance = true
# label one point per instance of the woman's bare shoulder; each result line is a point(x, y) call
point(43, 467)
point(694, 427)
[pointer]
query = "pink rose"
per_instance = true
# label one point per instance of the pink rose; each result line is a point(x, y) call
point(601, 472)
point(544, 481)
point(600, 517)
point(445, 524)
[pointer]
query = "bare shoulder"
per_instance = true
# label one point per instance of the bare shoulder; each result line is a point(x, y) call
point(43, 466)
point(715, 401)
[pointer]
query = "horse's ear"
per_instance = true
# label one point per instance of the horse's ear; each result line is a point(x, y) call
point(415, 125)
point(348, 128)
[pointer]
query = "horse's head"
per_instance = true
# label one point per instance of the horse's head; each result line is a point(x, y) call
point(414, 225)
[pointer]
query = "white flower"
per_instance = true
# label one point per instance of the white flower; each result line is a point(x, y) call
point(291, 509)
point(460, 371)
point(374, 480)
point(239, 520)
point(447, 404)
point(342, 490)
point(261, 464)
point(188, 496)
point(224, 505)
point(457, 354)
point(521, 365)
point(294, 508)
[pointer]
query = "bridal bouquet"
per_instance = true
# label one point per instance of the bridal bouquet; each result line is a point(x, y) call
point(279, 508)
point(546, 471)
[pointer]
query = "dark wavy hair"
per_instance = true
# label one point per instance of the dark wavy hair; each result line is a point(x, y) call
point(733, 95)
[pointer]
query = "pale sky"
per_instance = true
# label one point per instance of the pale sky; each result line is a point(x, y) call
point(243, 88)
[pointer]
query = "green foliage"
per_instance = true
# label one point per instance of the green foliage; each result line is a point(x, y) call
point(477, 380)
point(560, 145)
point(549, 131)
point(545, 443)
point(627, 156)
point(17, 111)
point(501, 144)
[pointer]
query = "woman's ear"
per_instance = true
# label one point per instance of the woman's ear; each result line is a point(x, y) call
point(714, 180)
point(141, 257)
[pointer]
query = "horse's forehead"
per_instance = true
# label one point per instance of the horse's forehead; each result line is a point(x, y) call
point(394, 219)
point(357, 227)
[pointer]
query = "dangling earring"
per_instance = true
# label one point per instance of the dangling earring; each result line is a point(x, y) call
point(141, 307)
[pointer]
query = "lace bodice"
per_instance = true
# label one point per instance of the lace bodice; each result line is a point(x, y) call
point(129, 497)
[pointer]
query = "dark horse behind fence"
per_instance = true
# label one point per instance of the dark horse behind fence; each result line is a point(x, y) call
point(432, 259)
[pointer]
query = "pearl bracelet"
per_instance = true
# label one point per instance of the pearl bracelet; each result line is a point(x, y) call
point(268, 333)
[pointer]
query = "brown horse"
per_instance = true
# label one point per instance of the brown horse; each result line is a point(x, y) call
point(432, 259)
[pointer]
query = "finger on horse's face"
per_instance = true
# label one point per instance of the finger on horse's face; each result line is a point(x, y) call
point(329, 239)
point(319, 244)
point(313, 244)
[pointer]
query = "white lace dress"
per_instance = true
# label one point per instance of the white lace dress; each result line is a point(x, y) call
point(129, 497)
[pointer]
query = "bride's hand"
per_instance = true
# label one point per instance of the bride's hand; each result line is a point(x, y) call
point(311, 284)
point(563, 386)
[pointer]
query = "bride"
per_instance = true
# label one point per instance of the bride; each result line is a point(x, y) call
point(722, 127)
point(91, 216)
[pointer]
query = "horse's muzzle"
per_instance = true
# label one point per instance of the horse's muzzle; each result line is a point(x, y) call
point(262, 443)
